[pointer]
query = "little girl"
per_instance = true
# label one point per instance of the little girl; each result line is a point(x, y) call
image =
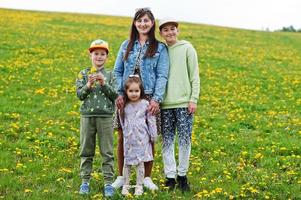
point(139, 130)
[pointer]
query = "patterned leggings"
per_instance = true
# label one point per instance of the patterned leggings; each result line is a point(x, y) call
point(176, 119)
point(139, 174)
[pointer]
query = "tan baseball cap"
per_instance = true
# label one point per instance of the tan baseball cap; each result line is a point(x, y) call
point(167, 20)
point(99, 44)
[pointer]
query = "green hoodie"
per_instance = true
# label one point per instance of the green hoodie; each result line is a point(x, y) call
point(183, 84)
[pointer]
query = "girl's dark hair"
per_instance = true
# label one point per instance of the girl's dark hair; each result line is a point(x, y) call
point(153, 42)
point(131, 79)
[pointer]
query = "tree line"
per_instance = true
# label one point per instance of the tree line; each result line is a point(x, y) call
point(289, 29)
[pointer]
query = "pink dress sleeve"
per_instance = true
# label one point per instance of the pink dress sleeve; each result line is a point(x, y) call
point(152, 126)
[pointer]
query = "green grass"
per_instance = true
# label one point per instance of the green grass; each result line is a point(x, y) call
point(246, 137)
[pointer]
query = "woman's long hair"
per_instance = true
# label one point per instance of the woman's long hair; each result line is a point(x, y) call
point(134, 34)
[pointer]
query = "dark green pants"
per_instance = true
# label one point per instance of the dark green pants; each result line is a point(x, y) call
point(102, 127)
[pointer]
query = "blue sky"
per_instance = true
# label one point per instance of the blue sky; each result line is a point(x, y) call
point(248, 14)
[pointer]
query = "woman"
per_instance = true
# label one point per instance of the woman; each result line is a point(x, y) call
point(145, 56)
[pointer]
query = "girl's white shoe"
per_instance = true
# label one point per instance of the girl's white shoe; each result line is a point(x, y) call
point(138, 190)
point(125, 190)
point(148, 183)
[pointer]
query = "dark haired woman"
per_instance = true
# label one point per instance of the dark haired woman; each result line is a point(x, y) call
point(143, 55)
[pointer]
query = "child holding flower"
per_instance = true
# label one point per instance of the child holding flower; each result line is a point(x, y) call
point(94, 87)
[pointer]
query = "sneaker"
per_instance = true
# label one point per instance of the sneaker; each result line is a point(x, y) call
point(84, 188)
point(170, 183)
point(109, 190)
point(183, 184)
point(138, 190)
point(118, 182)
point(148, 183)
point(125, 190)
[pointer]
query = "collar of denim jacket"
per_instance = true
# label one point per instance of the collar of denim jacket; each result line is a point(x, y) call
point(137, 42)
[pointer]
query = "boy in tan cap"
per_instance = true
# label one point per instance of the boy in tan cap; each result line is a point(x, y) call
point(179, 104)
point(95, 88)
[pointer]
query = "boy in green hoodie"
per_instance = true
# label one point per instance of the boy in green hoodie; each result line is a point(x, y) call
point(179, 104)
point(95, 88)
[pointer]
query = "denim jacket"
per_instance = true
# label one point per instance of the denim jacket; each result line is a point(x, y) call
point(154, 70)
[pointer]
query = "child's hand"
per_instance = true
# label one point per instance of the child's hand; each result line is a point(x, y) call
point(191, 107)
point(101, 79)
point(91, 80)
point(102, 82)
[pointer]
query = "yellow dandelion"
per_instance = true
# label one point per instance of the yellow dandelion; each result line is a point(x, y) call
point(4, 170)
point(93, 70)
point(291, 172)
point(95, 175)
point(27, 190)
point(228, 177)
point(97, 196)
point(40, 91)
point(66, 170)
point(19, 165)
point(79, 76)
point(60, 179)
point(218, 190)
point(258, 156)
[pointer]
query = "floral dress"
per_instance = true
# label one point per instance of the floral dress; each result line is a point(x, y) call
point(139, 129)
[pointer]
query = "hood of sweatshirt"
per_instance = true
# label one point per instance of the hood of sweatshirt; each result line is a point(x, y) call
point(179, 43)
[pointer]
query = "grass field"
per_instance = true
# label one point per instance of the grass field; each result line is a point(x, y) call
point(247, 131)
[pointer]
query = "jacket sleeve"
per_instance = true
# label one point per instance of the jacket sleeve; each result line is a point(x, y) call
point(109, 89)
point(161, 74)
point(194, 77)
point(82, 91)
point(119, 69)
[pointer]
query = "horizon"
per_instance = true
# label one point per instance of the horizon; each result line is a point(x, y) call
point(253, 15)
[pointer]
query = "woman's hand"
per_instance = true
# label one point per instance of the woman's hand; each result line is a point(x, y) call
point(153, 107)
point(120, 102)
point(191, 107)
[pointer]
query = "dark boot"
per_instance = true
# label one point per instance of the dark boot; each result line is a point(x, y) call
point(183, 184)
point(170, 183)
